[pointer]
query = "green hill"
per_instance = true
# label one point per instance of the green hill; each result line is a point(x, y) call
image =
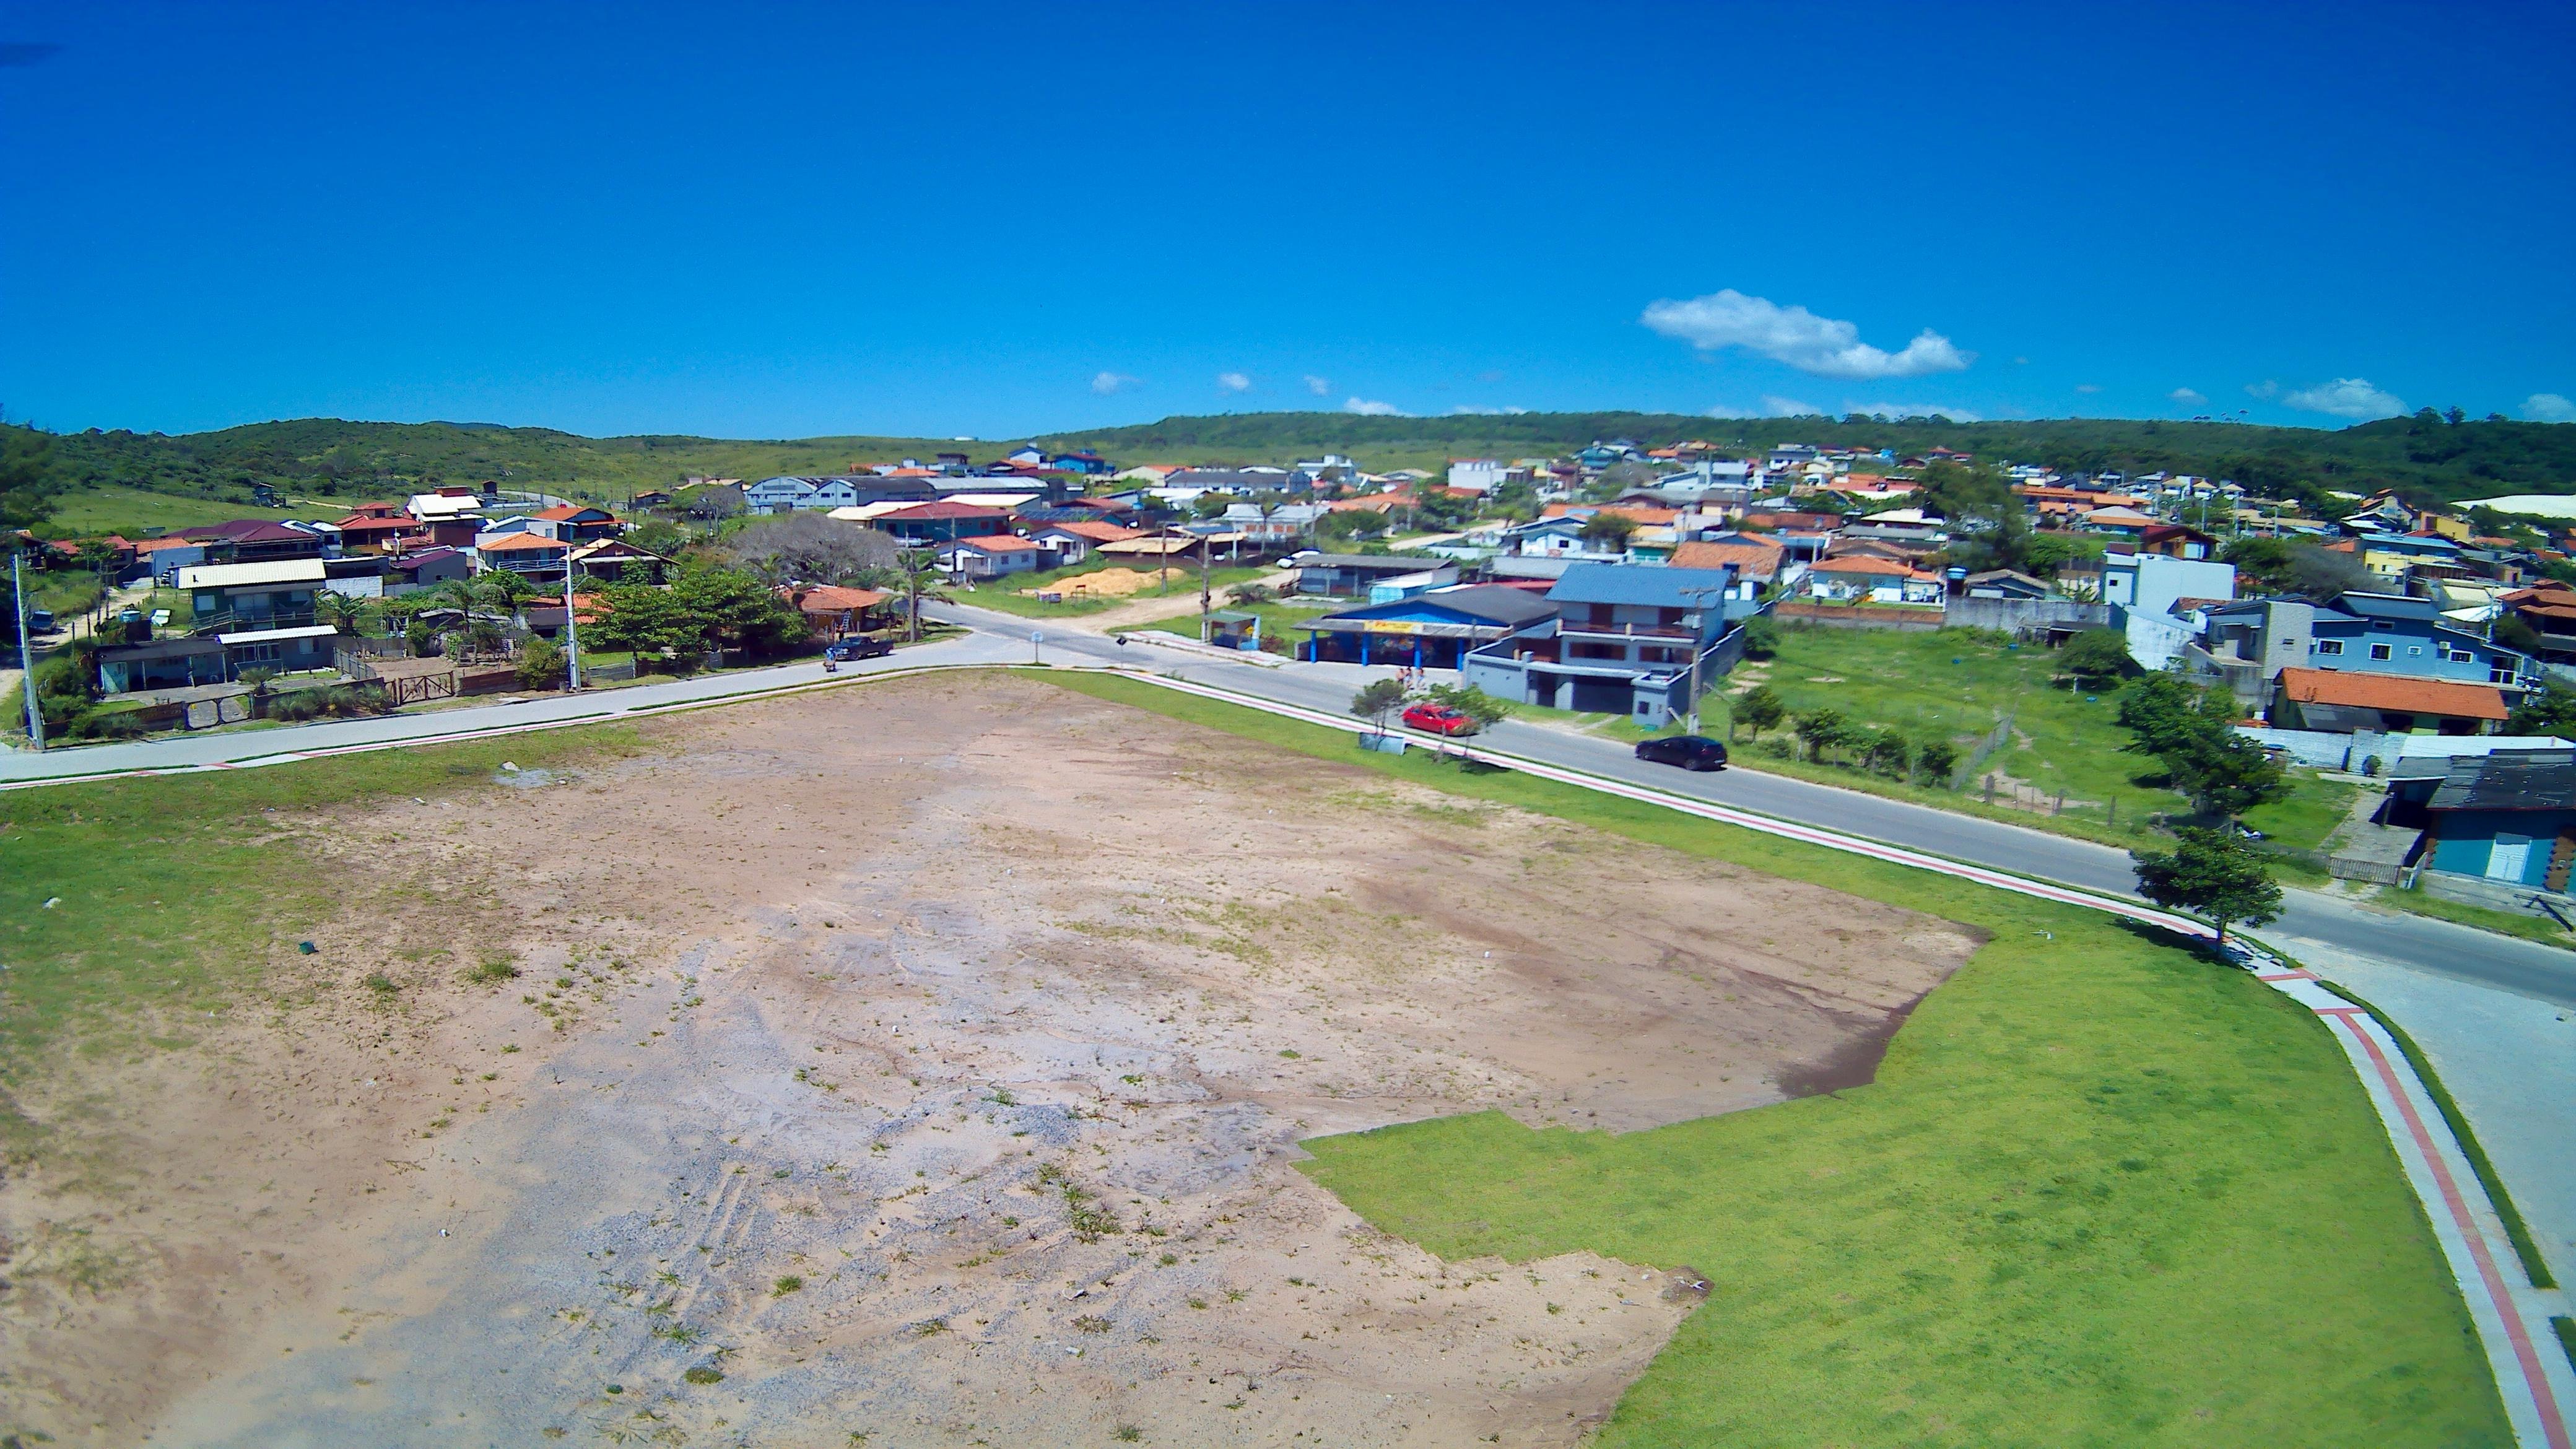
point(141, 481)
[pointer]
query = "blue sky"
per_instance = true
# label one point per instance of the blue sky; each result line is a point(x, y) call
point(780, 221)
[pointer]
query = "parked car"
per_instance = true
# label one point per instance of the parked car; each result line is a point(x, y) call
point(1691, 752)
point(40, 621)
point(857, 646)
point(1438, 719)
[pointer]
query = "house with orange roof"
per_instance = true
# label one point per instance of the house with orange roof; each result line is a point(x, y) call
point(1861, 579)
point(1071, 541)
point(1759, 560)
point(2338, 702)
point(530, 555)
point(575, 523)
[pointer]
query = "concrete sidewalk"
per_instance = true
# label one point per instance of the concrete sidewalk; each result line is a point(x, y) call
point(2532, 1372)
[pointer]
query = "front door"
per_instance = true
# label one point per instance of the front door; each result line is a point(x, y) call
point(2510, 859)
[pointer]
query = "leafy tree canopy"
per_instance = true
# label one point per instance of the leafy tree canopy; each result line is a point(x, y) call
point(2212, 874)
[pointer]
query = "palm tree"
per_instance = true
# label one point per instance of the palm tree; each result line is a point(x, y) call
point(918, 572)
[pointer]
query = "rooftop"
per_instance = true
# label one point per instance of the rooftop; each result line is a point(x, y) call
point(1663, 587)
point(2509, 780)
point(2400, 693)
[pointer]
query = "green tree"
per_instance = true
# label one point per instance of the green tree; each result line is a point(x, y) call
point(1485, 709)
point(2097, 657)
point(1761, 637)
point(27, 483)
point(1822, 729)
point(1890, 753)
point(2211, 874)
point(1377, 702)
point(2226, 774)
point(1608, 532)
point(1759, 707)
point(1936, 760)
point(916, 577)
point(2550, 710)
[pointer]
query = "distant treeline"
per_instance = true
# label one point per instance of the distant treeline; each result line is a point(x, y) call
point(2427, 457)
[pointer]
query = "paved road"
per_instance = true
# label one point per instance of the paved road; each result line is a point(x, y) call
point(2526, 968)
point(2438, 948)
point(237, 746)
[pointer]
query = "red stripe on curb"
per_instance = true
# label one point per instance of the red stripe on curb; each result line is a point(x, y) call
point(2552, 1426)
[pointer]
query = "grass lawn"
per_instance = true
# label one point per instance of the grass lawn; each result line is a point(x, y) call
point(172, 894)
point(137, 514)
point(1004, 594)
point(2510, 923)
point(2105, 1192)
point(1957, 685)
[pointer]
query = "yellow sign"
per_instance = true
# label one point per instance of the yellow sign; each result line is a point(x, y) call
point(1388, 626)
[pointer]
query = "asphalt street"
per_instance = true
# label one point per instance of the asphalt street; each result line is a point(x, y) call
point(2438, 948)
point(2462, 953)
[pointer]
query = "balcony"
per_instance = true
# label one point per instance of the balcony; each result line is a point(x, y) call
point(1573, 629)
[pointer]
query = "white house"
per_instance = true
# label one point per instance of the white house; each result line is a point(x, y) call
point(989, 556)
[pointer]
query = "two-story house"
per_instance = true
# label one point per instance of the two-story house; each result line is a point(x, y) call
point(2250, 644)
point(1623, 640)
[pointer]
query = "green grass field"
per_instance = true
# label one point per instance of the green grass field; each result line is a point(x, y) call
point(84, 512)
point(2105, 1192)
point(1957, 685)
point(172, 895)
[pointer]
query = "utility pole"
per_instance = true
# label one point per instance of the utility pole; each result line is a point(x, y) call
point(26, 656)
point(1696, 652)
point(1203, 590)
point(572, 635)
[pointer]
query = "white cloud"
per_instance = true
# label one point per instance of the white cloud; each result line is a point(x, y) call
point(1319, 386)
point(1476, 410)
point(1105, 383)
point(2266, 388)
point(1914, 410)
point(2548, 407)
point(1233, 382)
point(2088, 387)
point(1368, 409)
point(1773, 406)
point(1798, 337)
point(2188, 397)
point(2345, 397)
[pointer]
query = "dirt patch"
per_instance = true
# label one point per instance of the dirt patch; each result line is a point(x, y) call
point(1113, 583)
point(928, 1062)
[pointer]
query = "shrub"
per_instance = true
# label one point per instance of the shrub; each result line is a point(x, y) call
point(541, 665)
point(1937, 760)
point(1761, 637)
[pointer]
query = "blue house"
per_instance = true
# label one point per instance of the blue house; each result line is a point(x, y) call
point(2361, 633)
point(1624, 640)
point(1427, 631)
point(2508, 818)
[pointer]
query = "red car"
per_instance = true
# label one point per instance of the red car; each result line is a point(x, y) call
point(1437, 719)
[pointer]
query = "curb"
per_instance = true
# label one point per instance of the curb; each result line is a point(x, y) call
point(2511, 1314)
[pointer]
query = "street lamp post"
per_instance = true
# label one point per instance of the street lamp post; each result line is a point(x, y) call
point(26, 657)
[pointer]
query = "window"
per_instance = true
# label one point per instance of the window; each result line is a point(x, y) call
point(2330, 646)
point(2413, 649)
point(2381, 651)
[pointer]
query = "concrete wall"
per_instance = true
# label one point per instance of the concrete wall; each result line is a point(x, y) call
point(1859, 616)
point(2015, 616)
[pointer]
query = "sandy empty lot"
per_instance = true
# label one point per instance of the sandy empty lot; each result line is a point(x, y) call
point(922, 1062)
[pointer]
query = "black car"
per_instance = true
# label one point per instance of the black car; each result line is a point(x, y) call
point(1691, 752)
point(857, 646)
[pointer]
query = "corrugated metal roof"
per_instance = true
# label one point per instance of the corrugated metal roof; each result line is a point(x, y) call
point(1663, 587)
point(234, 576)
point(2519, 780)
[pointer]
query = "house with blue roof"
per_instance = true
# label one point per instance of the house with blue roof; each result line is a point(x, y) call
point(1431, 630)
point(1624, 641)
